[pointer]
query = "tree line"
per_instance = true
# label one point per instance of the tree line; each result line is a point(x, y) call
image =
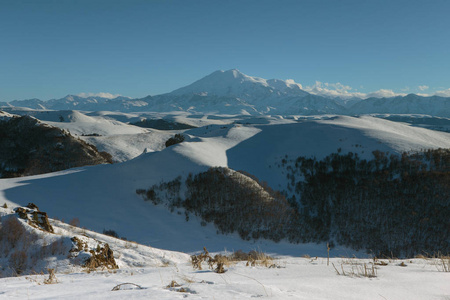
point(389, 205)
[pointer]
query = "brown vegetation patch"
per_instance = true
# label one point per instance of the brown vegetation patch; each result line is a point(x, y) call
point(79, 245)
point(219, 261)
point(101, 257)
point(35, 217)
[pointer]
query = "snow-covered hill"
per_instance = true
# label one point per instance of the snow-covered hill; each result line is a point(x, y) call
point(4, 116)
point(28, 146)
point(52, 244)
point(104, 197)
point(123, 141)
point(424, 121)
point(143, 272)
point(257, 149)
point(291, 278)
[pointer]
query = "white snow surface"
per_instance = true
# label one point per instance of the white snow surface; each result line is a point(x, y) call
point(396, 135)
point(4, 116)
point(294, 278)
point(123, 141)
point(104, 197)
point(146, 273)
point(257, 149)
point(78, 123)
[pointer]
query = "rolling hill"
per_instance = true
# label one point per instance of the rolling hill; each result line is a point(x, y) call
point(257, 149)
point(29, 147)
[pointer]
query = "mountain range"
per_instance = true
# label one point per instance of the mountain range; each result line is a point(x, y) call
point(232, 92)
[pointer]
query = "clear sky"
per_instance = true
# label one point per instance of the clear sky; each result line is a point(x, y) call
point(49, 49)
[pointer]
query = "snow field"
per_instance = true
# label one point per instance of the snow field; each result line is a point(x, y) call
point(104, 197)
point(294, 278)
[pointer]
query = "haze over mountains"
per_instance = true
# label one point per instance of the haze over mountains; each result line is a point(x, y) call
point(232, 92)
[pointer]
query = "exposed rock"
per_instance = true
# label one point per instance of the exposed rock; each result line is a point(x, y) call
point(32, 206)
point(35, 217)
point(101, 257)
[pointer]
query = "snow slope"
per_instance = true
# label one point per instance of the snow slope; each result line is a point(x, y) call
point(4, 116)
point(148, 273)
point(78, 123)
point(424, 121)
point(36, 242)
point(123, 141)
point(110, 189)
point(296, 278)
point(262, 154)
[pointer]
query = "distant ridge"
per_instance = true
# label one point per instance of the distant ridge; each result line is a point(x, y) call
point(232, 92)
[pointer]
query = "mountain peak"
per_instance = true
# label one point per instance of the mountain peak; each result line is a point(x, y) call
point(226, 75)
point(235, 73)
point(233, 83)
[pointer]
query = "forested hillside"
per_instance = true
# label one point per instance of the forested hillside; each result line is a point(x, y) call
point(390, 205)
point(232, 201)
point(28, 147)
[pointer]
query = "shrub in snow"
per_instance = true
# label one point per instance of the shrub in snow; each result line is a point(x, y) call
point(111, 232)
point(176, 139)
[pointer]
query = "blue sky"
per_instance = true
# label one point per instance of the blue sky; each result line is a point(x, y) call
point(49, 49)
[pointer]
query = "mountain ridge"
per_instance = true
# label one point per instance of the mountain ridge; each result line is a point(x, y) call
point(232, 92)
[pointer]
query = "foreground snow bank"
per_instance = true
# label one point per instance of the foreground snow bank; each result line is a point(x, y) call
point(31, 243)
point(293, 278)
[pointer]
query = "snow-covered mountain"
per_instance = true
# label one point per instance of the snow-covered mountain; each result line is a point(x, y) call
point(94, 103)
point(71, 102)
point(233, 83)
point(410, 104)
point(29, 103)
point(232, 92)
